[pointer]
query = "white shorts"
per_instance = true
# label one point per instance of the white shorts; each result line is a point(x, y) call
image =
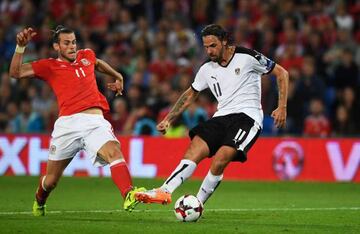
point(77, 132)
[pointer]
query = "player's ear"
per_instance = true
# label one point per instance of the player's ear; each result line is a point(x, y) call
point(224, 42)
point(56, 46)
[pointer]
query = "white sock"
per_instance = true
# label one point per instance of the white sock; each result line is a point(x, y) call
point(115, 162)
point(208, 186)
point(183, 171)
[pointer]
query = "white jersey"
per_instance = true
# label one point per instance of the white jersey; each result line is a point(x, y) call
point(237, 86)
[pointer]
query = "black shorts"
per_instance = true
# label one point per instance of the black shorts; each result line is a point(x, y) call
point(235, 130)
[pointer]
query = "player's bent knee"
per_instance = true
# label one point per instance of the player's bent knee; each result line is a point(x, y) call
point(114, 152)
point(114, 155)
point(50, 183)
point(111, 151)
point(195, 155)
point(218, 166)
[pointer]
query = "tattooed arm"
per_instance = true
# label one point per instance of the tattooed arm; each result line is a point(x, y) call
point(182, 103)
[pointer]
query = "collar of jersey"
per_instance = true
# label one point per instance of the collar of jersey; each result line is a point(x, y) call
point(62, 61)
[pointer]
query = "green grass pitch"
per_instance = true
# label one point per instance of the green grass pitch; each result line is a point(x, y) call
point(93, 205)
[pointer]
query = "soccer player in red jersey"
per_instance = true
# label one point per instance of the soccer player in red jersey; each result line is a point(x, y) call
point(81, 125)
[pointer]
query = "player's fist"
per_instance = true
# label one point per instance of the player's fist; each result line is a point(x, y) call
point(23, 37)
point(163, 126)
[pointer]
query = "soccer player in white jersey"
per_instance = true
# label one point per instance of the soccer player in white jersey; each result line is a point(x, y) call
point(233, 75)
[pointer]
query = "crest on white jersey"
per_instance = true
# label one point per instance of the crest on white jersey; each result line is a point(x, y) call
point(85, 62)
point(237, 71)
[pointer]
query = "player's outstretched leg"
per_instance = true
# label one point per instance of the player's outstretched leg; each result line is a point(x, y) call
point(162, 195)
point(120, 174)
point(122, 179)
point(197, 151)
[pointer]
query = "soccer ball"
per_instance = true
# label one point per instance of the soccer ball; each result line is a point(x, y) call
point(188, 208)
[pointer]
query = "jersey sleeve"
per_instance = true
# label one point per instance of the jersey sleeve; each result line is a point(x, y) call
point(41, 68)
point(199, 83)
point(261, 64)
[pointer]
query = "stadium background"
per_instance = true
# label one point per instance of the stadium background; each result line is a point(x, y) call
point(157, 47)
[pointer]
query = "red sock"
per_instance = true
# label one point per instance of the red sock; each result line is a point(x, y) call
point(121, 176)
point(41, 194)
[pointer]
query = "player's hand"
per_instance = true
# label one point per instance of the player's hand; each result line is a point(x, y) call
point(23, 37)
point(279, 115)
point(117, 87)
point(163, 126)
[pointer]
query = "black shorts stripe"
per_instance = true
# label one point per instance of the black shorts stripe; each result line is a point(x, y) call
point(250, 136)
point(251, 143)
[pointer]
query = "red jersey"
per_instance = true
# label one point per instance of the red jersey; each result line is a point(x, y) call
point(74, 84)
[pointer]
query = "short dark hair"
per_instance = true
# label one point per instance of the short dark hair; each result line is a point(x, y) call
point(60, 29)
point(215, 30)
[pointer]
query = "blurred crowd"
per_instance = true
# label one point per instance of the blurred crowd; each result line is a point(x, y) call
point(156, 45)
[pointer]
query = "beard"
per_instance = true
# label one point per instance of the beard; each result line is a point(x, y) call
point(65, 56)
point(215, 59)
point(219, 57)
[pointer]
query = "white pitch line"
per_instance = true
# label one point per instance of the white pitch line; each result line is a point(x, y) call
point(207, 210)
